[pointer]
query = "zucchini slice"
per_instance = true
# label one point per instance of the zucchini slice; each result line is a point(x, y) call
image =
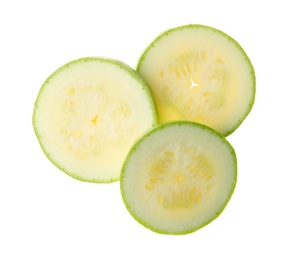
point(87, 115)
point(200, 74)
point(178, 177)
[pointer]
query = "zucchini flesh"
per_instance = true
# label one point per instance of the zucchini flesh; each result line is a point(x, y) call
point(200, 74)
point(178, 177)
point(87, 115)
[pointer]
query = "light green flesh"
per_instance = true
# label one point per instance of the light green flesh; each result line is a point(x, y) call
point(200, 74)
point(88, 114)
point(178, 177)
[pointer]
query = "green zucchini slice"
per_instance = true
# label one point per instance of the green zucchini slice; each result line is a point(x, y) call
point(178, 177)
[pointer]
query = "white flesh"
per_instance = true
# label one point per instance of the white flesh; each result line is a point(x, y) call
point(88, 114)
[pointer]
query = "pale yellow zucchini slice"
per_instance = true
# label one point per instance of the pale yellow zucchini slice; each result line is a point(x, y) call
point(87, 115)
point(200, 74)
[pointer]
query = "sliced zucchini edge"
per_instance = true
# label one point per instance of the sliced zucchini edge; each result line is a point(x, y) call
point(152, 131)
point(121, 65)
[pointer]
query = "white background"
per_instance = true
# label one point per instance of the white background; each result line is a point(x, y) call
point(44, 214)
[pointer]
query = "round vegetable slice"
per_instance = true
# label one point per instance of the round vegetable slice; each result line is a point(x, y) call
point(87, 115)
point(201, 74)
point(178, 177)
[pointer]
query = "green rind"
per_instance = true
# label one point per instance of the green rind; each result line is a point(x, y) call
point(232, 40)
point(148, 134)
point(133, 73)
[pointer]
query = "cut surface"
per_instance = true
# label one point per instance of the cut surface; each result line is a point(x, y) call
point(178, 177)
point(200, 74)
point(87, 115)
